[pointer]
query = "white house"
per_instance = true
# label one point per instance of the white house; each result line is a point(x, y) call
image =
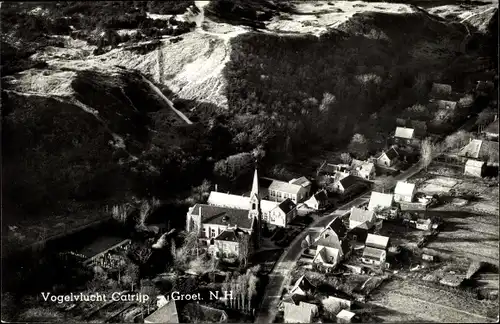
point(317, 201)
point(303, 182)
point(363, 169)
point(404, 135)
point(388, 158)
point(474, 168)
point(375, 251)
point(301, 313)
point(404, 191)
point(359, 216)
point(281, 190)
point(380, 200)
point(327, 256)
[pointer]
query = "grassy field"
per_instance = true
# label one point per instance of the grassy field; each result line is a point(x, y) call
point(408, 301)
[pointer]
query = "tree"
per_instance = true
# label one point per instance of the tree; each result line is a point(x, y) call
point(131, 275)
point(427, 152)
point(484, 118)
point(328, 100)
point(457, 139)
point(346, 158)
point(251, 288)
point(358, 146)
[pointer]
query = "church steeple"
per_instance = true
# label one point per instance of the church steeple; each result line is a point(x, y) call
point(255, 184)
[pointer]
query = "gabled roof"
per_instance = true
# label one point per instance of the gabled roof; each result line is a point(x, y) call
point(222, 215)
point(377, 241)
point(327, 254)
point(362, 165)
point(349, 181)
point(403, 132)
point(329, 238)
point(302, 181)
point(265, 182)
point(165, 314)
point(204, 313)
point(492, 128)
point(227, 200)
point(338, 226)
point(283, 186)
point(364, 226)
point(321, 195)
point(303, 283)
point(390, 153)
point(479, 149)
point(372, 253)
point(301, 313)
point(379, 199)
point(231, 235)
point(295, 299)
point(404, 188)
point(287, 205)
point(329, 168)
point(361, 215)
point(474, 164)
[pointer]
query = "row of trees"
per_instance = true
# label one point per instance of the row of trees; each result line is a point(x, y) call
point(243, 288)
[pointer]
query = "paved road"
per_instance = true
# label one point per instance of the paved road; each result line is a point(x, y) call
point(280, 277)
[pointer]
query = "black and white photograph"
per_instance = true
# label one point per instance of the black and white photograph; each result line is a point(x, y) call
point(249, 161)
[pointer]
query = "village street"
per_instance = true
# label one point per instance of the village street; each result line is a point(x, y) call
point(280, 277)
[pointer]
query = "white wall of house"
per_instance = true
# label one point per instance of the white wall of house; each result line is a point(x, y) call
point(353, 224)
point(405, 198)
point(473, 171)
point(384, 161)
point(301, 195)
point(227, 248)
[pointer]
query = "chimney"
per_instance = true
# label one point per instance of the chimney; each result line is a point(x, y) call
point(200, 212)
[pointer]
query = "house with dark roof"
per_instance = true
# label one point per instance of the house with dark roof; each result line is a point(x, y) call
point(337, 225)
point(230, 243)
point(283, 214)
point(361, 216)
point(281, 190)
point(330, 169)
point(388, 158)
point(347, 185)
point(318, 201)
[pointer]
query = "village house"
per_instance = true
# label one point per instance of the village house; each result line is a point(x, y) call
point(331, 170)
point(361, 217)
point(388, 158)
point(166, 313)
point(330, 246)
point(301, 313)
point(345, 316)
point(474, 168)
point(375, 251)
point(302, 287)
point(363, 169)
point(379, 200)
point(491, 131)
point(230, 243)
point(280, 191)
point(404, 191)
point(404, 136)
point(318, 201)
point(480, 150)
point(303, 182)
point(347, 185)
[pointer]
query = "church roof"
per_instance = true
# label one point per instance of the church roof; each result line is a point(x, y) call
point(223, 215)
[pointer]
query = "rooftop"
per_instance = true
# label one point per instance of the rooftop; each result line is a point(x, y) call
point(492, 128)
point(404, 188)
point(164, 314)
point(361, 215)
point(403, 132)
point(349, 181)
point(302, 283)
point(381, 200)
point(285, 187)
point(345, 315)
point(222, 215)
point(327, 254)
point(479, 149)
point(377, 241)
point(232, 235)
point(372, 253)
point(474, 163)
point(301, 313)
point(391, 153)
point(287, 205)
point(302, 181)
point(196, 313)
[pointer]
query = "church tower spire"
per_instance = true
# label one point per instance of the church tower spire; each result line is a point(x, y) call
point(255, 211)
point(255, 184)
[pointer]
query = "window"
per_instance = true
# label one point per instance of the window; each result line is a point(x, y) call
point(204, 232)
point(271, 192)
point(278, 194)
point(212, 232)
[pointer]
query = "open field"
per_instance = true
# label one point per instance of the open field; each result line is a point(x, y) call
point(409, 301)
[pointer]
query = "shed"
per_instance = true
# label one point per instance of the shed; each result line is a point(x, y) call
point(345, 316)
point(474, 168)
point(404, 191)
point(380, 200)
point(404, 133)
point(377, 241)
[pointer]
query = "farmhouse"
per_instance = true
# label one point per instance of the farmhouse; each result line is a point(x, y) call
point(404, 191)
point(301, 313)
point(474, 168)
point(361, 216)
point(389, 158)
point(480, 150)
point(302, 287)
point(317, 201)
point(280, 190)
point(380, 200)
point(363, 169)
point(404, 135)
point(375, 251)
